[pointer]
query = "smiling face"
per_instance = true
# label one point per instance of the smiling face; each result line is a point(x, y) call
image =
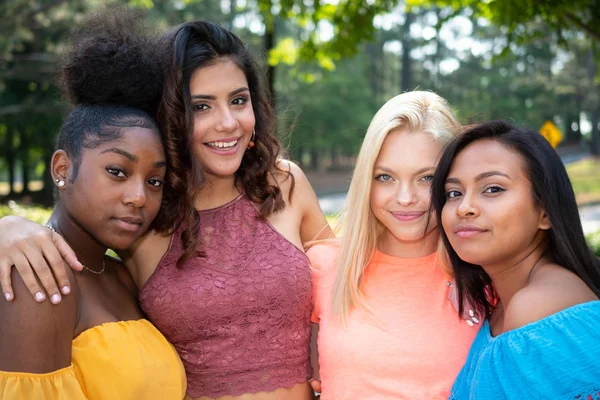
point(400, 193)
point(490, 215)
point(118, 190)
point(223, 117)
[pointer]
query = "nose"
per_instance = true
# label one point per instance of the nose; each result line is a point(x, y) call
point(227, 121)
point(467, 207)
point(406, 195)
point(135, 194)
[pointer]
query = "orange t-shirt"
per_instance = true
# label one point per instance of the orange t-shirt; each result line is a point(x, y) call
point(416, 350)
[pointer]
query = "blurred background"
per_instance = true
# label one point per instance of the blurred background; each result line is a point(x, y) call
point(331, 65)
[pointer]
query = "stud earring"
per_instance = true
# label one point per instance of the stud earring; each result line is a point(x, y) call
point(251, 142)
point(60, 182)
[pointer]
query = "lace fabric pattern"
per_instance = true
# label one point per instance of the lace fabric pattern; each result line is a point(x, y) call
point(239, 317)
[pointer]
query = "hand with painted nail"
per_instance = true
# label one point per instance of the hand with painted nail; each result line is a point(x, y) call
point(39, 256)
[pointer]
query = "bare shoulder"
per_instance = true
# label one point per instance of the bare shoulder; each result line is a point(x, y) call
point(291, 172)
point(323, 254)
point(36, 337)
point(551, 289)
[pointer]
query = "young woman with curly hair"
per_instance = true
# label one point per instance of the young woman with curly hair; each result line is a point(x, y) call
point(108, 170)
point(223, 274)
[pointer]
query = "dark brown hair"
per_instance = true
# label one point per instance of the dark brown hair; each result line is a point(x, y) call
point(182, 51)
point(551, 191)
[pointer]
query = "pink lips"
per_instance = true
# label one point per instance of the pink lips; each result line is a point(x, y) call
point(129, 224)
point(407, 216)
point(468, 231)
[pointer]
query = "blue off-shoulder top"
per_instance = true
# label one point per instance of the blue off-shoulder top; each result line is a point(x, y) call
point(557, 357)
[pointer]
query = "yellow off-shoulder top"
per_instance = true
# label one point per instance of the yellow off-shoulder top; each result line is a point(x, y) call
point(127, 360)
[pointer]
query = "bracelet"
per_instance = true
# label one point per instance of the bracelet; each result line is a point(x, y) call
point(51, 228)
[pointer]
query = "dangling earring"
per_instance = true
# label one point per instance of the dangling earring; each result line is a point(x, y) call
point(60, 182)
point(251, 142)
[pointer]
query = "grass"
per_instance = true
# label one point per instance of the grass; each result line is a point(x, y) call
point(34, 213)
point(585, 177)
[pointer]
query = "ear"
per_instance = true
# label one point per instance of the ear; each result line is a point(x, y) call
point(61, 168)
point(544, 223)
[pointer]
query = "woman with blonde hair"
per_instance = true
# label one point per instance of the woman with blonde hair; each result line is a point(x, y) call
point(382, 297)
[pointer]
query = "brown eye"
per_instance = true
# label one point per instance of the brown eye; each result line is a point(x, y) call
point(200, 107)
point(116, 171)
point(494, 189)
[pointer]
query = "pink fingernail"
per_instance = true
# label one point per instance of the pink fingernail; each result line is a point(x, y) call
point(65, 290)
point(55, 298)
point(39, 296)
point(8, 296)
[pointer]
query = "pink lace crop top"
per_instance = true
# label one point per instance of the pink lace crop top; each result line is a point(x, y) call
point(239, 317)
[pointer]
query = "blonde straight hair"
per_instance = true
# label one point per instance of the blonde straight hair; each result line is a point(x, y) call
point(417, 111)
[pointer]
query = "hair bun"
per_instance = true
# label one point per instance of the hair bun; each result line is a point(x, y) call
point(110, 61)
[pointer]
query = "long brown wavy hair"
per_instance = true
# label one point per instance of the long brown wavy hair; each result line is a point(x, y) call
point(180, 52)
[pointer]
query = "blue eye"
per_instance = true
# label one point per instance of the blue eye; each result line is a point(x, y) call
point(383, 178)
point(427, 178)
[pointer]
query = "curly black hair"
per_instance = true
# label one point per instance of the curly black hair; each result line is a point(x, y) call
point(112, 80)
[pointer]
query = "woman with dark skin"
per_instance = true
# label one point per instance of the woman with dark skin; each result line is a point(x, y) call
point(514, 237)
point(108, 172)
point(239, 288)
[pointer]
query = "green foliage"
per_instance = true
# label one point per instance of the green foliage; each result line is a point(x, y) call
point(585, 177)
point(594, 242)
point(34, 213)
point(563, 16)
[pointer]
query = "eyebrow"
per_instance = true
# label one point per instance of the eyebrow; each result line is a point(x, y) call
point(131, 157)
point(416, 173)
point(481, 176)
point(122, 152)
point(209, 97)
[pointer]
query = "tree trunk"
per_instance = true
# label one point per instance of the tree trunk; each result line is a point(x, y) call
point(10, 159)
point(314, 158)
point(269, 40)
point(595, 143)
point(26, 169)
point(47, 196)
point(406, 47)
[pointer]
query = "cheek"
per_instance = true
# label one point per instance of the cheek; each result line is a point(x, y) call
point(424, 194)
point(380, 196)
point(198, 132)
point(247, 119)
point(154, 200)
point(432, 223)
point(447, 216)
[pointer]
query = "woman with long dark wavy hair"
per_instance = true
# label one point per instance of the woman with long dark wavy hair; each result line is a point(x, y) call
point(512, 229)
point(223, 274)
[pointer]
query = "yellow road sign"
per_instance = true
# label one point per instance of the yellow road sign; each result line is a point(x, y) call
point(551, 133)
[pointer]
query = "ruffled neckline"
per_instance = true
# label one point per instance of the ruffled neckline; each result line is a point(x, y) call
point(566, 314)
